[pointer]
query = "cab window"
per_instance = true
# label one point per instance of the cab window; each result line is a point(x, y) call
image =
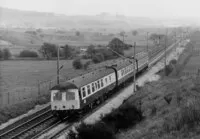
point(70, 95)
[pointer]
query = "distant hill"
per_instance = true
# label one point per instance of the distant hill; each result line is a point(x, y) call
point(31, 19)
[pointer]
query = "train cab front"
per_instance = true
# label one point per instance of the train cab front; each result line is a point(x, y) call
point(64, 100)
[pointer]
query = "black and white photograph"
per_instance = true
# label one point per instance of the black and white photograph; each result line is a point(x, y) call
point(99, 69)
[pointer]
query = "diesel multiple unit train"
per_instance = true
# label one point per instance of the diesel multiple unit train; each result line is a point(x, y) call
point(83, 92)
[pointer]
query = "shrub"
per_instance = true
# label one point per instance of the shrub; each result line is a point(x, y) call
point(98, 58)
point(97, 131)
point(77, 64)
point(187, 117)
point(1, 54)
point(6, 54)
point(123, 118)
point(28, 53)
point(168, 69)
point(85, 66)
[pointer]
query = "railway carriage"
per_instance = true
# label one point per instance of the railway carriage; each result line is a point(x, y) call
point(83, 92)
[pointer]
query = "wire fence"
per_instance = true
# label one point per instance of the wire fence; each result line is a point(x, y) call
point(40, 88)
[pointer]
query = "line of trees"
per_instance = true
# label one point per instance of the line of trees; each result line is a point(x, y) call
point(28, 53)
point(49, 50)
point(5, 54)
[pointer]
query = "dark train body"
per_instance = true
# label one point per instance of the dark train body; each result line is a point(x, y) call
point(83, 92)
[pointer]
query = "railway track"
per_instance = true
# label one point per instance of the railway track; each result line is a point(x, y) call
point(35, 125)
point(25, 125)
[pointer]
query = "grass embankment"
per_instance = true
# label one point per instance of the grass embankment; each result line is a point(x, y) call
point(169, 108)
point(13, 111)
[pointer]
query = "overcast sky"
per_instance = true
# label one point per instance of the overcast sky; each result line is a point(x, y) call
point(146, 8)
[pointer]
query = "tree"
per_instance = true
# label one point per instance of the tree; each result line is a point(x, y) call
point(78, 33)
point(156, 38)
point(1, 54)
point(77, 64)
point(117, 45)
point(48, 50)
point(6, 53)
point(91, 50)
point(98, 58)
point(122, 33)
point(28, 53)
point(134, 32)
point(67, 51)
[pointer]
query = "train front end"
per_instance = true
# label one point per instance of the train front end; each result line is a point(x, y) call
point(64, 100)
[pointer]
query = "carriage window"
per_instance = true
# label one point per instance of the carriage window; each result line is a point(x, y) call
point(101, 82)
point(83, 92)
point(110, 78)
point(88, 89)
point(96, 85)
point(93, 87)
point(106, 80)
point(98, 82)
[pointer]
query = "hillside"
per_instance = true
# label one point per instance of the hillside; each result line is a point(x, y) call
point(50, 20)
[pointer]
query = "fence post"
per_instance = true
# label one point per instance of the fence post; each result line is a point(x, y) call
point(8, 95)
point(38, 88)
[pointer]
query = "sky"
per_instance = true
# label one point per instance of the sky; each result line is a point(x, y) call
point(140, 8)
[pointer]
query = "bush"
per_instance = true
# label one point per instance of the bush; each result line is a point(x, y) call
point(28, 53)
point(85, 66)
point(77, 64)
point(1, 54)
point(6, 54)
point(123, 118)
point(97, 131)
point(187, 117)
point(98, 58)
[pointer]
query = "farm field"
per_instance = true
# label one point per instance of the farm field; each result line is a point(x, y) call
point(17, 40)
point(21, 74)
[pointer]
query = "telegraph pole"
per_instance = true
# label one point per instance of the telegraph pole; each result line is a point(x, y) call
point(134, 63)
point(147, 44)
point(58, 66)
point(166, 49)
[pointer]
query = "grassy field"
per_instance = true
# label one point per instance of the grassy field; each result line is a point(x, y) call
point(20, 40)
point(192, 66)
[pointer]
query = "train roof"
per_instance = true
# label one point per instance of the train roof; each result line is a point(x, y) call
point(87, 78)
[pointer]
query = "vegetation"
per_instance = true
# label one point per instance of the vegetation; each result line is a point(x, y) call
point(120, 119)
point(78, 33)
point(157, 38)
point(98, 58)
point(118, 46)
point(77, 64)
point(28, 53)
point(12, 111)
point(68, 52)
point(86, 65)
point(5, 54)
point(48, 50)
point(134, 32)
point(91, 51)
